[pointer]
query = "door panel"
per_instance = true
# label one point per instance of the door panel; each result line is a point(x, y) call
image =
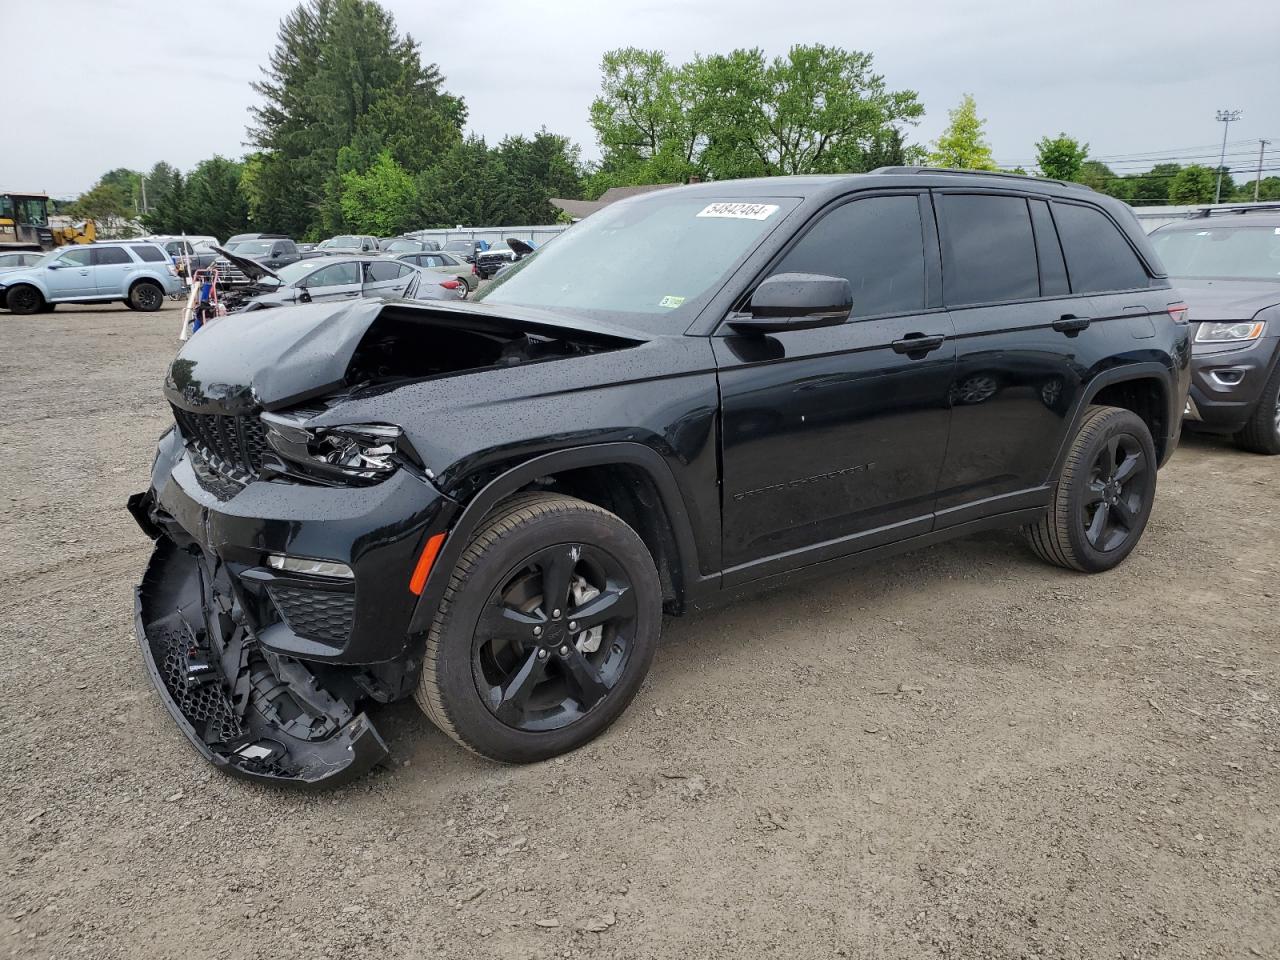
point(832, 438)
point(111, 267)
point(73, 276)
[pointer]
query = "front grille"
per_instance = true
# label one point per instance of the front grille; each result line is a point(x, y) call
point(199, 696)
point(231, 444)
point(315, 614)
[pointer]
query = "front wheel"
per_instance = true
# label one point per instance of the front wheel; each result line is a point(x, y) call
point(146, 296)
point(1262, 433)
point(24, 299)
point(545, 631)
point(1104, 496)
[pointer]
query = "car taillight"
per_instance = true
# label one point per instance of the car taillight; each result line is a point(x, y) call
point(450, 284)
point(1178, 311)
point(475, 271)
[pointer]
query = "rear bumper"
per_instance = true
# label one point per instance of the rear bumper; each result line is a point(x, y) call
point(1226, 385)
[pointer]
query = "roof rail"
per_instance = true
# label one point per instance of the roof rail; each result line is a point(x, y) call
point(981, 173)
point(1235, 208)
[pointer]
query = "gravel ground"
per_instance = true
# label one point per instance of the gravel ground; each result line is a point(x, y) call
point(956, 753)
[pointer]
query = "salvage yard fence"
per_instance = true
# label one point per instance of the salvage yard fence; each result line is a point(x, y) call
point(537, 235)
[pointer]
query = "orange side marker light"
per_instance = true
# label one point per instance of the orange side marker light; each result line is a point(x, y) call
point(425, 562)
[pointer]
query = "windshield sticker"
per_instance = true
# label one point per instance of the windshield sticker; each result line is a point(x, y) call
point(740, 211)
point(670, 302)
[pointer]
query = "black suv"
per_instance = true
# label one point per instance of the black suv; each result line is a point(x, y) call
point(1226, 263)
point(488, 505)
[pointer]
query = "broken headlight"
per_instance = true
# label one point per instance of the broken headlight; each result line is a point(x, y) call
point(363, 452)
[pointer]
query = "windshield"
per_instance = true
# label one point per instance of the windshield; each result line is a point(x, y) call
point(344, 243)
point(1234, 252)
point(463, 245)
point(655, 261)
point(251, 248)
point(400, 246)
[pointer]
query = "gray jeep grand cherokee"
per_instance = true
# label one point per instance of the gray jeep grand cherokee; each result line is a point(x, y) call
point(1227, 266)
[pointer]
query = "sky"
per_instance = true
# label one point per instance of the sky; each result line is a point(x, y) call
point(111, 83)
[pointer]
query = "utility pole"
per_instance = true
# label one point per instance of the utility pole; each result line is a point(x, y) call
point(1257, 184)
point(144, 194)
point(1226, 118)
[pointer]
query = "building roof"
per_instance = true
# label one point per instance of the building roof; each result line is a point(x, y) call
point(584, 208)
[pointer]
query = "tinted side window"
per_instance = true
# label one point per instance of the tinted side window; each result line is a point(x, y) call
point(288, 246)
point(381, 270)
point(1053, 270)
point(148, 254)
point(76, 258)
point(109, 255)
point(338, 274)
point(878, 244)
point(988, 252)
point(1098, 256)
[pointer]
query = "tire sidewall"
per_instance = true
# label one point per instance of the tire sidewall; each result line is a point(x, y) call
point(456, 684)
point(1094, 560)
point(138, 290)
point(24, 291)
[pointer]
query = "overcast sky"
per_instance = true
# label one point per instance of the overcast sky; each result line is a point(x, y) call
point(95, 84)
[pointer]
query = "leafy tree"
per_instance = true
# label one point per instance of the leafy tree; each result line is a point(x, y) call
point(1060, 157)
point(963, 145)
point(1268, 189)
point(817, 110)
point(214, 202)
point(464, 187)
point(130, 184)
point(342, 76)
point(1193, 184)
point(535, 170)
point(1154, 185)
point(159, 183)
point(107, 200)
point(1228, 183)
point(381, 200)
point(169, 214)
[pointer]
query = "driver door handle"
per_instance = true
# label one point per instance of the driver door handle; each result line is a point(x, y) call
point(914, 344)
point(1069, 323)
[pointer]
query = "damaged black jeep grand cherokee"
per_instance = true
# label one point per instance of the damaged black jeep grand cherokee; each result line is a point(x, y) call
point(693, 394)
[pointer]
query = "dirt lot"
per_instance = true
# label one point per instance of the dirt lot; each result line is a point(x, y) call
point(958, 753)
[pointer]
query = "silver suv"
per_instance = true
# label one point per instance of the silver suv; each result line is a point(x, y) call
point(135, 273)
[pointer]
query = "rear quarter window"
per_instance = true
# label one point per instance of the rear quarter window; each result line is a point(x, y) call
point(1098, 256)
point(149, 254)
point(988, 250)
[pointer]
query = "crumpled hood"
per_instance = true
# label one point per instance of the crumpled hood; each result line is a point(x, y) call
point(280, 357)
point(1211, 300)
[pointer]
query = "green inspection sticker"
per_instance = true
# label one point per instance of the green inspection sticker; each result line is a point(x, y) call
point(670, 302)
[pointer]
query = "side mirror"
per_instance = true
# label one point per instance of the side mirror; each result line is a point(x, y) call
point(304, 295)
point(54, 266)
point(796, 301)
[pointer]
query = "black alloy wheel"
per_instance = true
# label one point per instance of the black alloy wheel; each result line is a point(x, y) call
point(554, 638)
point(548, 623)
point(1104, 494)
point(146, 296)
point(24, 299)
point(1115, 493)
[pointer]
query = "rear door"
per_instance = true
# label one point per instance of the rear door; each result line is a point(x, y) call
point(386, 278)
point(112, 268)
point(1024, 341)
point(833, 437)
point(71, 274)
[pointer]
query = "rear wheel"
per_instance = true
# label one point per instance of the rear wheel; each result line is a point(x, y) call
point(24, 299)
point(1104, 496)
point(1262, 433)
point(146, 296)
point(545, 631)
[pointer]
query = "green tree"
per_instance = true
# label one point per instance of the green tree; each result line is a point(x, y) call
point(1193, 184)
point(130, 184)
point(104, 202)
point(214, 202)
point(160, 182)
point(1060, 157)
point(380, 201)
point(818, 109)
point(1153, 186)
point(340, 76)
point(963, 144)
point(464, 187)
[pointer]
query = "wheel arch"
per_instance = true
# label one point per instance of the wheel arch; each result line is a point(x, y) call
point(629, 479)
point(9, 288)
point(1146, 389)
point(144, 278)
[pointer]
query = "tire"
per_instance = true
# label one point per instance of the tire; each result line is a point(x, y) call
point(503, 693)
point(1262, 433)
point(466, 288)
point(128, 303)
point(24, 299)
point(146, 296)
point(48, 307)
point(1098, 515)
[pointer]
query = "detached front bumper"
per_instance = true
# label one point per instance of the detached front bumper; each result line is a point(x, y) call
point(262, 669)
